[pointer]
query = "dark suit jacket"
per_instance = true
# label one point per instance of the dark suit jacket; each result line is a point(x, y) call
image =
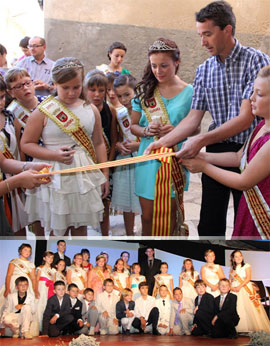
point(206, 308)
point(121, 308)
point(76, 310)
point(149, 273)
point(66, 259)
point(52, 308)
point(228, 313)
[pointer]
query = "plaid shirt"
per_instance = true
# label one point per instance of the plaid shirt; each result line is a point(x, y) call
point(220, 87)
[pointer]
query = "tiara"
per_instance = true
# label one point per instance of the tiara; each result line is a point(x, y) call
point(68, 65)
point(160, 46)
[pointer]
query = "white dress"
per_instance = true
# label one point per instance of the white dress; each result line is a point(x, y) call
point(163, 280)
point(45, 288)
point(135, 281)
point(211, 275)
point(187, 288)
point(252, 318)
point(70, 199)
point(60, 277)
point(78, 277)
point(120, 280)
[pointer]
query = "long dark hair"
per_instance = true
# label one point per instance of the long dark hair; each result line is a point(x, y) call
point(191, 269)
point(145, 89)
point(233, 263)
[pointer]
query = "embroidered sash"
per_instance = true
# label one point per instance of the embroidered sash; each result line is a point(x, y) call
point(124, 121)
point(119, 285)
point(100, 274)
point(18, 263)
point(69, 123)
point(162, 203)
point(253, 296)
point(257, 205)
point(20, 112)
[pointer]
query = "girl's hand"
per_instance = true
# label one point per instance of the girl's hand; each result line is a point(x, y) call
point(31, 179)
point(194, 165)
point(132, 146)
point(153, 129)
point(105, 189)
point(65, 155)
point(6, 293)
point(237, 289)
point(121, 147)
point(37, 294)
point(164, 129)
point(36, 166)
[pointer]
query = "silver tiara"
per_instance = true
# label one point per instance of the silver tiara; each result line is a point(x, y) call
point(160, 46)
point(67, 65)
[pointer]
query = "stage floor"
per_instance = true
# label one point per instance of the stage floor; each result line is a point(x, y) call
point(131, 340)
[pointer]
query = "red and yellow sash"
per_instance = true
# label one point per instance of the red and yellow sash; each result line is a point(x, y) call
point(169, 168)
point(69, 123)
point(253, 296)
point(6, 152)
point(257, 205)
point(20, 112)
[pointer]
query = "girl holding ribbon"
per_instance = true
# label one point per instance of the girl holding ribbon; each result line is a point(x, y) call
point(249, 308)
point(162, 101)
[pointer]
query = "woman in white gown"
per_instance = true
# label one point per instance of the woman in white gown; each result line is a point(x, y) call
point(211, 273)
point(250, 310)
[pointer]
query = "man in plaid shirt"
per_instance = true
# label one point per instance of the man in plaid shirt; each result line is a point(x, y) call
point(223, 86)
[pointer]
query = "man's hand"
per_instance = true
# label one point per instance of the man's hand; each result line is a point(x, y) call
point(105, 314)
point(115, 321)
point(53, 319)
point(191, 148)
point(80, 323)
point(182, 311)
point(214, 320)
point(19, 306)
point(143, 323)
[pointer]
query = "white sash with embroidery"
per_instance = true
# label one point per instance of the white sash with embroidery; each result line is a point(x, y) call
point(20, 112)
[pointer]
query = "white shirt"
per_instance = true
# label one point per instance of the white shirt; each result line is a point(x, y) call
point(144, 306)
point(164, 307)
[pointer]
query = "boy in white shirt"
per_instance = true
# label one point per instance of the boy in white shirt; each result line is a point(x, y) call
point(164, 307)
point(106, 306)
point(19, 309)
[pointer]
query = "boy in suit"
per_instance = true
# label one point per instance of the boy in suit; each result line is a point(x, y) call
point(76, 310)
point(57, 315)
point(125, 310)
point(150, 267)
point(164, 307)
point(204, 310)
point(89, 313)
point(181, 314)
point(226, 316)
point(146, 313)
point(106, 305)
point(19, 309)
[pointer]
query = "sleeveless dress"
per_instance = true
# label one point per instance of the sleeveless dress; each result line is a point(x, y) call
point(70, 199)
point(187, 288)
point(120, 278)
point(97, 278)
point(244, 224)
point(163, 280)
point(60, 277)
point(211, 275)
point(135, 281)
point(45, 288)
point(178, 108)
point(16, 198)
point(252, 318)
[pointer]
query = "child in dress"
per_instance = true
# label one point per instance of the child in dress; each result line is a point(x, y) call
point(135, 279)
point(163, 279)
point(70, 201)
point(125, 311)
point(106, 255)
point(253, 214)
point(250, 310)
point(60, 273)
point(87, 266)
point(187, 278)
point(120, 277)
point(97, 275)
point(19, 309)
point(77, 275)
point(125, 257)
point(124, 199)
point(44, 284)
point(211, 273)
point(95, 86)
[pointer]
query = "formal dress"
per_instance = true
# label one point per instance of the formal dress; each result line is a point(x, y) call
point(120, 281)
point(211, 275)
point(97, 278)
point(187, 287)
point(135, 281)
point(78, 277)
point(161, 279)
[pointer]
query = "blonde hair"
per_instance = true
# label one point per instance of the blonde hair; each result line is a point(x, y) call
point(125, 293)
point(13, 74)
point(264, 72)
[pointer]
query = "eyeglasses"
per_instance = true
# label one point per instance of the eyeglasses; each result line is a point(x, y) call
point(20, 86)
point(34, 45)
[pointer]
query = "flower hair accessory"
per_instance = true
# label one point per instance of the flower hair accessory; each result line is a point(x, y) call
point(66, 66)
point(160, 46)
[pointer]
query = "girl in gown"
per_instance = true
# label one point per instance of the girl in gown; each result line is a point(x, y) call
point(250, 310)
point(87, 266)
point(44, 284)
point(187, 278)
point(77, 275)
point(160, 83)
point(60, 273)
point(98, 274)
point(135, 279)
point(211, 273)
point(120, 277)
point(163, 279)
point(125, 257)
point(72, 137)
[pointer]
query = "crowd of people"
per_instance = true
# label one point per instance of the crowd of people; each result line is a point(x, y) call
point(107, 115)
point(64, 297)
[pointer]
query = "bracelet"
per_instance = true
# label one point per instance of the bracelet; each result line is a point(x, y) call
point(23, 167)
point(8, 187)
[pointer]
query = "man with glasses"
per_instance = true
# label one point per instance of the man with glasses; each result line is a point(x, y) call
point(38, 66)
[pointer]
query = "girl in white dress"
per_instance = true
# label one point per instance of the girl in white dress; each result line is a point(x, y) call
point(187, 278)
point(135, 279)
point(163, 279)
point(120, 277)
point(211, 273)
point(77, 275)
point(60, 273)
point(250, 310)
point(72, 137)
point(44, 284)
